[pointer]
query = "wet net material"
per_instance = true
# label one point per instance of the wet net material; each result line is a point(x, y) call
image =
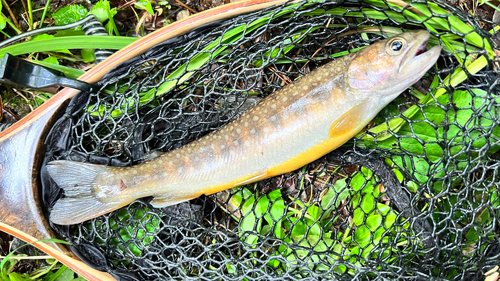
point(413, 196)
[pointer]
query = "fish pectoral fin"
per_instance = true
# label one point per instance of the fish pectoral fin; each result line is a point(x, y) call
point(351, 122)
point(161, 201)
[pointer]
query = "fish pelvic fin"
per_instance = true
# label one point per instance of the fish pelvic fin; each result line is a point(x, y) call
point(82, 201)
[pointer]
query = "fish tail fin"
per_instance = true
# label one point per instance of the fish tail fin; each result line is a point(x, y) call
point(78, 180)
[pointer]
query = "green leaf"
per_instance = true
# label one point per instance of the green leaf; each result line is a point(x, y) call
point(52, 60)
point(298, 230)
point(88, 55)
point(362, 236)
point(69, 14)
point(100, 10)
point(14, 276)
point(47, 36)
point(231, 269)
point(67, 71)
point(374, 222)
point(3, 22)
point(277, 209)
point(73, 42)
point(69, 32)
point(7, 266)
point(65, 274)
point(145, 5)
point(368, 203)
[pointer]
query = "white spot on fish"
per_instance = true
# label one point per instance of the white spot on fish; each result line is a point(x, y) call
point(272, 118)
point(134, 172)
point(255, 118)
point(266, 129)
point(252, 131)
point(285, 99)
point(236, 143)
point(178, 155)
point(238, 130)
point(273, 106)
point(226, 137)
point(246, 124)
point(247, 143)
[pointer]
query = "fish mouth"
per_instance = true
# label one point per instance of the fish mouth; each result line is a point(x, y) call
point(419, 60)
point(421, 49)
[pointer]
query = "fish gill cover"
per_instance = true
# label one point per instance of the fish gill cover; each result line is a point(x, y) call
point(414, 195)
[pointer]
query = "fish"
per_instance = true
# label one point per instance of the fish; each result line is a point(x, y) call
point(288, 129)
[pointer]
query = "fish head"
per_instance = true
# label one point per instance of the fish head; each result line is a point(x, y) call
point(388, 67)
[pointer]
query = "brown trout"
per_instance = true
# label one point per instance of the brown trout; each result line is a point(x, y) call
point(288, 129)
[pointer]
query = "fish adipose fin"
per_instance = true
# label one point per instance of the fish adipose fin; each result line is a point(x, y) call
point(80, 202)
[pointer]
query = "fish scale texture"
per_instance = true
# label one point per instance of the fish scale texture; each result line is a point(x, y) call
point(416, 201)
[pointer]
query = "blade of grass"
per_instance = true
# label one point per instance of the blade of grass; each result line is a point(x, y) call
point(112, 21)
point(67, 71)
point(70, 42)
point(30, 14)
point(44, 13)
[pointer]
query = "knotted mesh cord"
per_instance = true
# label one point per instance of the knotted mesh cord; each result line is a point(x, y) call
point(330, 219)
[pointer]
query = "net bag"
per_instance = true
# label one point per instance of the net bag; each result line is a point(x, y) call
point(413, 196)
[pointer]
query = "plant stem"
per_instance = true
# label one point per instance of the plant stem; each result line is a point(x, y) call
point(11, 24)
point(44, 12)
point(18, 26)
point(28, 258)
point(8, 36)
point(489, 4)
point(30, 14)
point(112, 22)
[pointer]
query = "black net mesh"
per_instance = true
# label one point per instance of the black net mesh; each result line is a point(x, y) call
point(414, 196)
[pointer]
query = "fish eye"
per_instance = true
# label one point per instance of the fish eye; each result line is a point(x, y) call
point(395, 46)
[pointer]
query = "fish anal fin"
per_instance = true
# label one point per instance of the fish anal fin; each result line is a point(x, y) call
point(162, 201)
